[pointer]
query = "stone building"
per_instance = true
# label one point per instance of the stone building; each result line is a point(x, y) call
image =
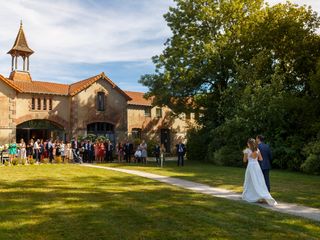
point(96, 105)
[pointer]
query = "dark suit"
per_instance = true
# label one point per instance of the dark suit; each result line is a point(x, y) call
point(157, 154)
point(128, 150)
point(265, 164)
point(75, 150)
point(181, 151)
point(109, 151)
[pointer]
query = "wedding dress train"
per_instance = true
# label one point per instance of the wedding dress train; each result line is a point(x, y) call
point(254, 188)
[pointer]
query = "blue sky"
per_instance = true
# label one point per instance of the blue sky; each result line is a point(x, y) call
point(76, 39)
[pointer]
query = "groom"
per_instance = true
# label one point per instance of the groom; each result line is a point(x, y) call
point(266, 159)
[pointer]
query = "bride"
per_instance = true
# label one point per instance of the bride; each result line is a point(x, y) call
point(255, 188)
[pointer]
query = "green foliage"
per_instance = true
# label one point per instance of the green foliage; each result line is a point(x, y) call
point(44, 160)
point(101, 137)
point(150, 147)
point(136, 142)
point(91, 137)
point(250, 69)
point(197, 145)
point(15, 161)
point(31, 161)
point(58, 159)
point(312, 163)
point(227, 156)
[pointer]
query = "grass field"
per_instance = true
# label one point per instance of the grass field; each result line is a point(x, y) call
point(75, 202)
point(291, 187)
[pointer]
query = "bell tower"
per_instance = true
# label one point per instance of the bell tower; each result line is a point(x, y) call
point(20, 49)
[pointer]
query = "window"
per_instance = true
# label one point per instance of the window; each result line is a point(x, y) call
point(159, 112)
point(44, 104)
point(50, 104)
point(39, 104)
point(101, 101)
point(147, 112)
point(136, 133)
point(33, 103)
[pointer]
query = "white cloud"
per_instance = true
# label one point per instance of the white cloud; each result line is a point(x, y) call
point(65, 32)
point(85, 31)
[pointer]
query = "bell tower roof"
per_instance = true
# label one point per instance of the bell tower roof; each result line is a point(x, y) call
point(20, 46)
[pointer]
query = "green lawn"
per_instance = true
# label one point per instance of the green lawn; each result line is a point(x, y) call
point(74, 202)
point(291, 187)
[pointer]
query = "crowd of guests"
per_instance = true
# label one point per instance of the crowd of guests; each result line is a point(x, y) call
point(98, 151)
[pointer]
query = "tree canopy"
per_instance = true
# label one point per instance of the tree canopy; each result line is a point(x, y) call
point(250, 69)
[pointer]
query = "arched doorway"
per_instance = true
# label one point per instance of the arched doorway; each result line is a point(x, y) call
point(102, 129)
point(39, 129)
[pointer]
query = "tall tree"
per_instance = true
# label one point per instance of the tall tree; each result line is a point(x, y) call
point(249, 67)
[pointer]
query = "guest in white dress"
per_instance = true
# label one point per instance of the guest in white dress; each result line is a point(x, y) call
point(255, 188)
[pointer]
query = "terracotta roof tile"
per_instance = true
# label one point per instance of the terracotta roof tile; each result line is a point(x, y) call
point(10, 83)
point(60, 89)
point(42, 87)
point(138, 99)
point(81, 85)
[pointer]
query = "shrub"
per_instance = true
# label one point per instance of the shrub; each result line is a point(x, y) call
point(197, 145)
point(58, 159)
point(15, 161)
point(6, 163)
point(23, 161)
point(150, 147)
point(31, 161)
point(312, 163)
point(44, 160)
point(227, 156)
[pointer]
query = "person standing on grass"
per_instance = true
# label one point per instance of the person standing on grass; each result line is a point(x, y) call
point(156, 152)
point(162, 154)
point(29, 150)
point(50, 150)
point(265, 163)
point(254, 187)
point(119, 150)
point(144, 154)
point(36, 150)
point(22, 146)
point(181, 151)
point(12, 150)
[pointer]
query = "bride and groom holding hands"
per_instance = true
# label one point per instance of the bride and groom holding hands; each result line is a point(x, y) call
point(256, 186)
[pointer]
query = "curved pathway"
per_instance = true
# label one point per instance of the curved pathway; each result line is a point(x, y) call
point(289, 208)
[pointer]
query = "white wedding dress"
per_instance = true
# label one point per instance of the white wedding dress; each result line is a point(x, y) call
point(254, 188)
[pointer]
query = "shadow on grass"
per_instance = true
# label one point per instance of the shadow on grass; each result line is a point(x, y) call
point(98, 204)
point(306, 190)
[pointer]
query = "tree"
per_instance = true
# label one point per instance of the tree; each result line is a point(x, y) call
point(250, 68)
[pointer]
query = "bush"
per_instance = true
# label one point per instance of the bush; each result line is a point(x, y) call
point(6, 163)
point(23, 161)
point(15, 161)
point(31, 161)
point(227, 156)
point(312, 163)
point(150, 147)
point(58, 159)
point(44, 160)
point(197, 145)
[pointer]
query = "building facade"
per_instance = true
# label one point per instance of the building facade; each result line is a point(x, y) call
point(96, 105)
